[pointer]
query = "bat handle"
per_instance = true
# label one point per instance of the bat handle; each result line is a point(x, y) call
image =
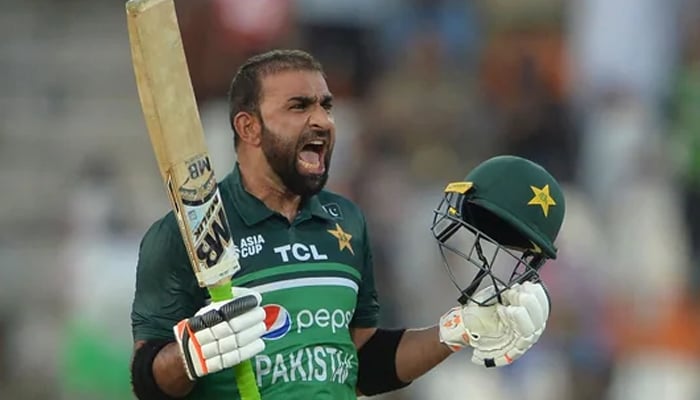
point(245, 377)
point(221, 292)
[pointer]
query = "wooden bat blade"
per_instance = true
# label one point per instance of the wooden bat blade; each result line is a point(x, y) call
point(172, 118)
point(175, 129)
point(163, 82)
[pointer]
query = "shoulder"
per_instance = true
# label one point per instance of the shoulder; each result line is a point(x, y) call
point(161, 245)
point(340, 207)
point(163, 231)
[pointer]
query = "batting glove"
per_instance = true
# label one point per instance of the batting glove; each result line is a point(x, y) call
point(500, 333)
point(222, 334)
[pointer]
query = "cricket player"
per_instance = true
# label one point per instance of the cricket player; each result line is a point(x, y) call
point(306, 310)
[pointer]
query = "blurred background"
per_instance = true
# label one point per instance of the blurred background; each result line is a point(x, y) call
point(604, 94)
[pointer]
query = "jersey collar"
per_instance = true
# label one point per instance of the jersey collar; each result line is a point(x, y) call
point(253, 211)
point(313, 208)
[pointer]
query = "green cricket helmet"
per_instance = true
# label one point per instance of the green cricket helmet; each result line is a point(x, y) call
point(502, 219)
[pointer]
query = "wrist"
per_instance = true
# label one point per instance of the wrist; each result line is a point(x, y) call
point(170, 372)
point(157, 372)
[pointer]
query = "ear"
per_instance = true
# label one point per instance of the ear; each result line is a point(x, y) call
point(248, 128)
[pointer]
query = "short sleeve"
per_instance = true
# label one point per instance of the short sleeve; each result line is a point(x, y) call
point(166, 289)
point(367, 310)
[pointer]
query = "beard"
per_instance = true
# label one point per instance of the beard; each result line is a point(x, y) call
point(282, 154)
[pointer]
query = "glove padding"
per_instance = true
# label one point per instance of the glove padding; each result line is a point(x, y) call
point(222, 334)
point(499, 333)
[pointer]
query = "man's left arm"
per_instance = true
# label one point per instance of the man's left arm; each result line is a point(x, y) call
point(418, 351)
point(499, 334)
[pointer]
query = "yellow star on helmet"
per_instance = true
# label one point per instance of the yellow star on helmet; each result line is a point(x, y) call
point(343, 238)
point(542, 199)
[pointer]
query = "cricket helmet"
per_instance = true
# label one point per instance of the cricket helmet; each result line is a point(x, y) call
point(503, 219)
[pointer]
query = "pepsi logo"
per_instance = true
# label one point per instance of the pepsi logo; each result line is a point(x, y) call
point(277, 322)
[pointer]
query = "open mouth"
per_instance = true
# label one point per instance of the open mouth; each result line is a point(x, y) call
point(311, 158)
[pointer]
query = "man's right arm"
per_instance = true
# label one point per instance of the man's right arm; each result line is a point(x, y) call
point(177, 336)
point(169, 370)
point(166, 292)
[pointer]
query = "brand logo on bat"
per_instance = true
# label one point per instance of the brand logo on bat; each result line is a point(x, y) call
point(213, 235)
point(200, 184)
point(204, 211)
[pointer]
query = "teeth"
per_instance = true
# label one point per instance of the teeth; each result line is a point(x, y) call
point(307, 164)
point(317, 142)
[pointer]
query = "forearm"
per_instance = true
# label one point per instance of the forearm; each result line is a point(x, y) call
point(419, 351)
point(169, 372)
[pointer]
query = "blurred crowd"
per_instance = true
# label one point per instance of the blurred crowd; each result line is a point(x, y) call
point(604, 94)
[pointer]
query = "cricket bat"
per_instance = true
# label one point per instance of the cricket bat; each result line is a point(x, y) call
point(174, 126)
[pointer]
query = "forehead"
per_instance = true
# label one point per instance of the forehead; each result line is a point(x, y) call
point(281, 86)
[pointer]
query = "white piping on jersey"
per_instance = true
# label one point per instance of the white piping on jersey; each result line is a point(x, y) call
point(303, 282)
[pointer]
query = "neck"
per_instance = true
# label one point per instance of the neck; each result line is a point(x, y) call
point(262, 182)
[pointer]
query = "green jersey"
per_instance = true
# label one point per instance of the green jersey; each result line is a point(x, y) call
point(316, 279)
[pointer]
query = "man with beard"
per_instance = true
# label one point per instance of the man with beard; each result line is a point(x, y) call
point(306, 310)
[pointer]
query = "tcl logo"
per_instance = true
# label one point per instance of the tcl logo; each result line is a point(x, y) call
point(299, 252)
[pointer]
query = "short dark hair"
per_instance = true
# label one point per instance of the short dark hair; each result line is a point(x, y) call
point(246, 85)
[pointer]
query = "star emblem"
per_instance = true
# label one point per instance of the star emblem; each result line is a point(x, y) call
point(343, 238)
point(542, 199)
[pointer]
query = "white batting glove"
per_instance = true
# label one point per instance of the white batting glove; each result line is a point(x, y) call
point(222, 334)
point(499, 333)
